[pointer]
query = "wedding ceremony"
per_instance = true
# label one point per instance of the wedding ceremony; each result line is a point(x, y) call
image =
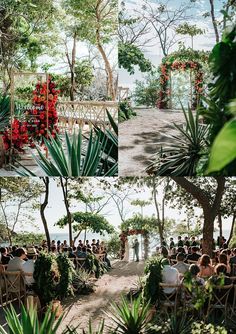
point(79, 252)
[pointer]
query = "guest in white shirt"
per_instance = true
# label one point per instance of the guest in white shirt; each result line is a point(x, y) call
point(16, 264)
point(170, 276)
point(28, 266)
point(180, 265)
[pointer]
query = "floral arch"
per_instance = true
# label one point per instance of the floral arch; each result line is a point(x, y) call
point(124, 236)
point(182, 60)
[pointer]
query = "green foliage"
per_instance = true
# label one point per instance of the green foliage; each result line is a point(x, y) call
point(100, 158)
point(125, 111)
point(113, 245)
point(130, 55)
point(93, 265)
point(46, 276)
point(153, 276)
point(29, 322)
point(182, 155)
point(66, 270)
point(233, 242)
point(202, 328)
point(146, 92)
point(82, 283)
point(175, 323)
point(223, 150)
point(53, 276)
point(88, 221)
point(130, 319)
point(27, 238)
point(187, 29)
point(4, 111)
point(137, 221)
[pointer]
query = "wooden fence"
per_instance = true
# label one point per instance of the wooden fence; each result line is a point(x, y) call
point(77, 114)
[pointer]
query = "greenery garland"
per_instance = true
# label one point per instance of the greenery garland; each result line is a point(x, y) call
point(65, 267)
point(153, 272)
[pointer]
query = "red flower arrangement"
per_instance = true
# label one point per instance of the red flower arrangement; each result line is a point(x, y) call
point(43, 118)
point(19, 136)
point(40, 120)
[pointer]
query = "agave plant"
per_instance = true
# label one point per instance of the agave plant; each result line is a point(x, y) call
point(4, 112)
point(99, 158)
point(129, 318)
point(182, 155)
point(29, 323)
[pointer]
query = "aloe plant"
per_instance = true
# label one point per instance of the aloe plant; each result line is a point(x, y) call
point(29, 323)
point(182, 154)
point(129, 318)
point(99, 158)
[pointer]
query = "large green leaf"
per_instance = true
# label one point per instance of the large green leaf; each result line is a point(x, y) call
point(224, 148)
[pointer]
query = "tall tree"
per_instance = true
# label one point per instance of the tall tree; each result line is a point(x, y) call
point(164, 21)
point(64, 182)
point(97, 22)
point(214, 21)
point(17, 197)
point(210, 205)
point(43, 206)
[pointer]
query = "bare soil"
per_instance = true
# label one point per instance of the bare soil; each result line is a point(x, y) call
point(141, 137)
point(110, 287)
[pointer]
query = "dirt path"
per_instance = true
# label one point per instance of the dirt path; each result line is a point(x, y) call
point(118, 280)
point(140, 137)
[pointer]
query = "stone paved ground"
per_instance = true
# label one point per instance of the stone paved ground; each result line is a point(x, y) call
point(140, 137)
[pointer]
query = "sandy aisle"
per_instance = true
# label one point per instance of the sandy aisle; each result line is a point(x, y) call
point(109, 288)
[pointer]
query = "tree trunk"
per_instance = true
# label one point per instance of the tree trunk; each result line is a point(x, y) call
point(214, 21)
point(67, 206)
point(209, 210)
point(72, 69)
point(159, 224)
point(42, 211)
point(232, 228)
point(208, 231)
point(108, 68)
point(220, 224)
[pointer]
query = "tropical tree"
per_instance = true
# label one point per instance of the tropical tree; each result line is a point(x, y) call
point(96, 22)
point(209, 200)
point(43, 207)
point(190, 30)
point(18, 196)
point(87, 221)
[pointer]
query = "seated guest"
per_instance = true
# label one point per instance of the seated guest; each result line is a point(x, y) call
point(170, 276)
point(221, 270)
point(206, 269)
point(104, 252)
point(81, 252)
point(186, 242)
point(65, 244)
point(194, 270)
point(54, 249)
point(5, 258)
point(95, 250)
point(14, 248)
point(172, 244)
point(17, 262)
point(223, 259)
point(28, 266)
point(181, 249)
point(232, 262)
point(193, 256)
point(71, 255)
point(180, 265)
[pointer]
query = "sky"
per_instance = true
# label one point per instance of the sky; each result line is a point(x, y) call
point(56, 209)
point(202, 42)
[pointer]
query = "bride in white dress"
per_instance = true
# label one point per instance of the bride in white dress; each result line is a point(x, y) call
point(126, 256)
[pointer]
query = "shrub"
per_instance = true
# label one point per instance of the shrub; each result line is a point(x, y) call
point(125, 111)
point(151, 289)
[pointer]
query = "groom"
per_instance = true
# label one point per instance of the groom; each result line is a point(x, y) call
point(136, 249)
